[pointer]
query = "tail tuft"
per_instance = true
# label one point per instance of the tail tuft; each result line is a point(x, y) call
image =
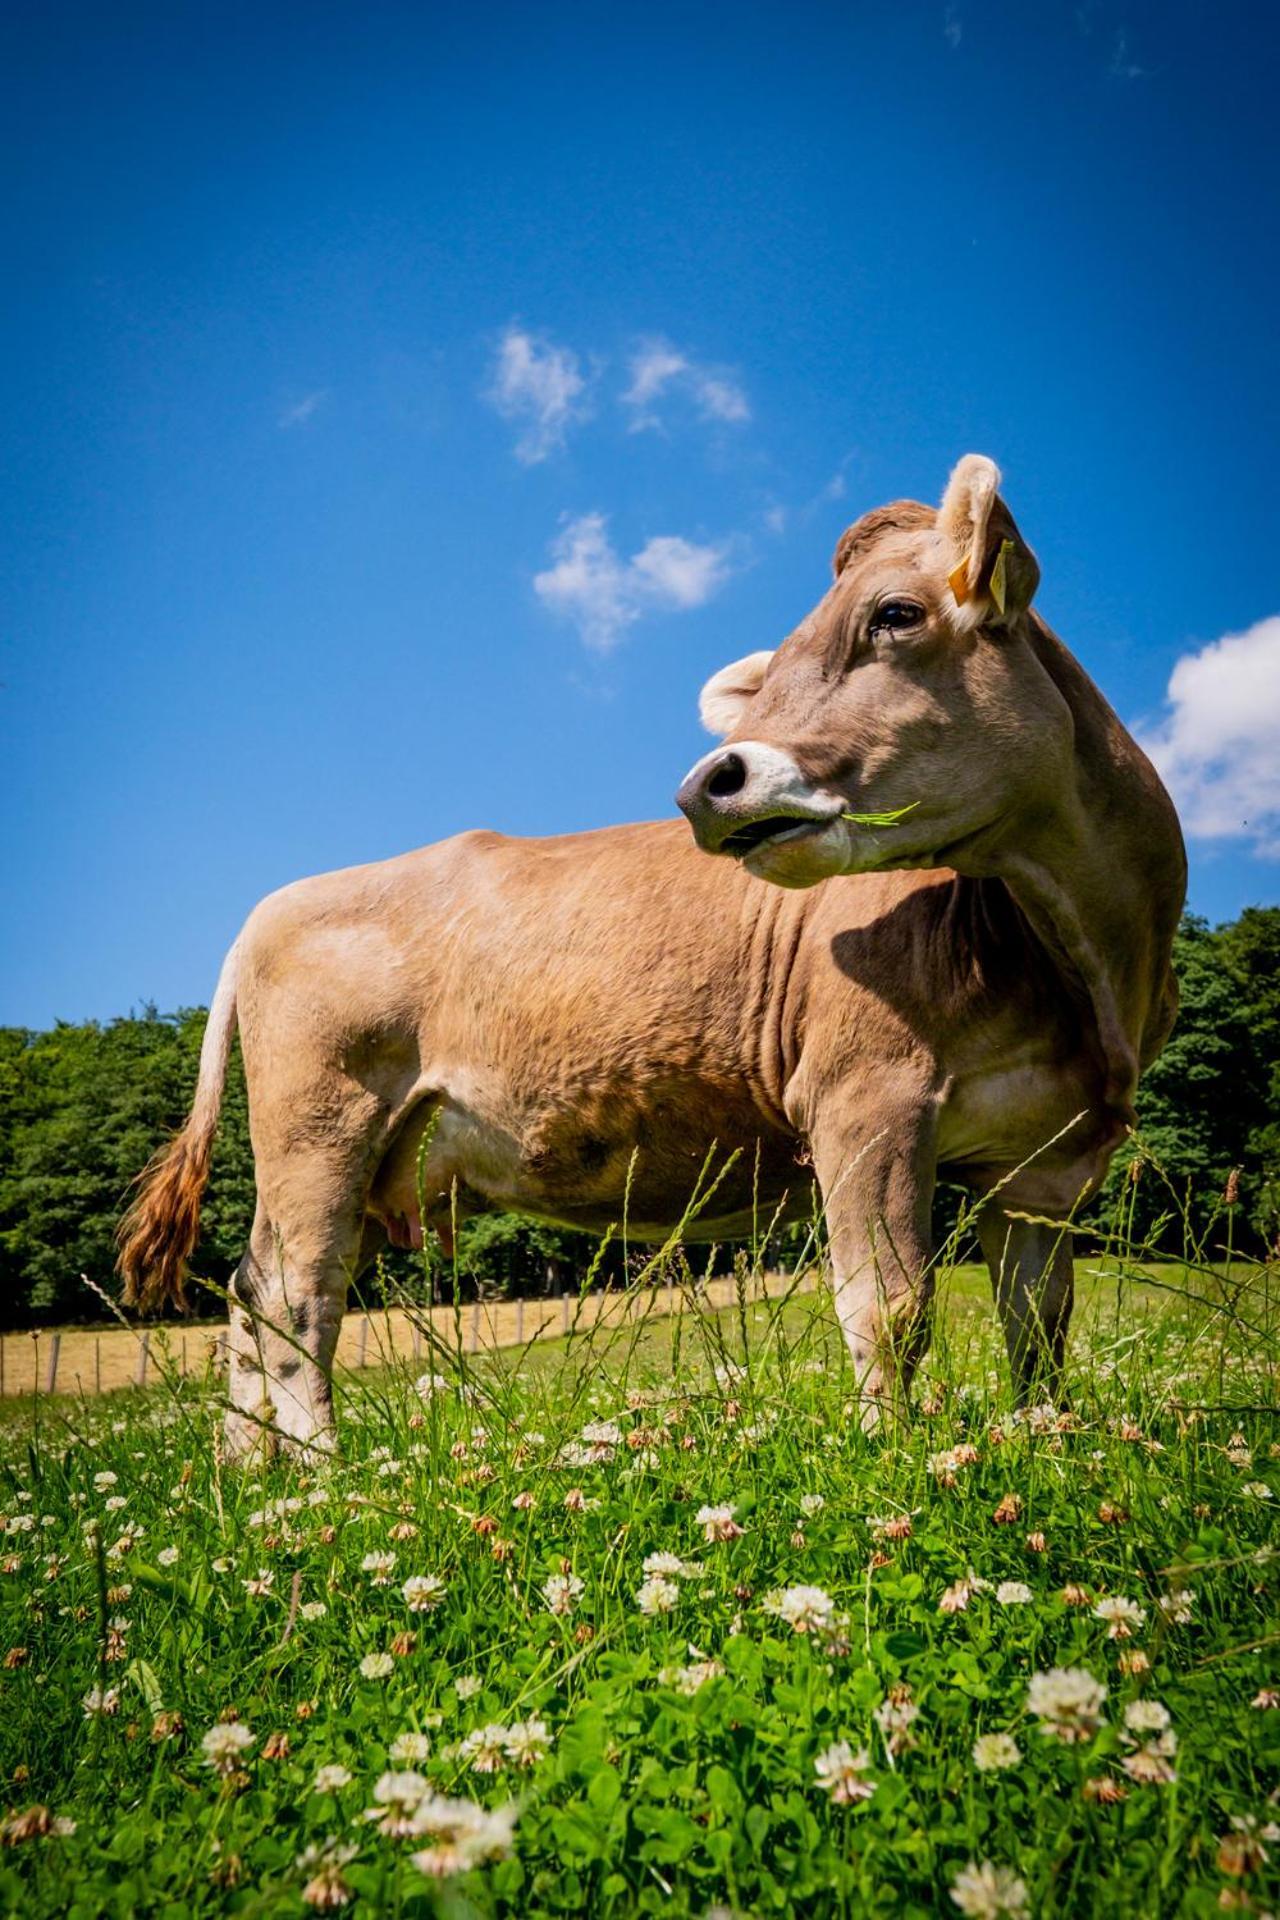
point(158, 1233)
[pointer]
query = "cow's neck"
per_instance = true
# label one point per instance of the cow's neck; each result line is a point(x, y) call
point(1101, 879)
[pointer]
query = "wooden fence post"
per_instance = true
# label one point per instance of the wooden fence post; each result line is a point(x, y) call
point(564, 1313)
point(474, 1344)
point(144, 1350)
point(97, 1363)
point(51, 1366)
point(362, 1347)
point(520, 1321)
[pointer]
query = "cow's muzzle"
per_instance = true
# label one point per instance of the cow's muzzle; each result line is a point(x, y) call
point(740, 798)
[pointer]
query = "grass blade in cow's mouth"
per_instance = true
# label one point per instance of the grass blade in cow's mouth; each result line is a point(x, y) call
point(754, 833)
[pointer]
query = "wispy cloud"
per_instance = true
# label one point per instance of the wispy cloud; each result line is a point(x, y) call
point(298, 414)
point(603, 594)
point(1122, 66)
point(659, 370)
point(952, 27)
point(1216, 743)
point(541, 387)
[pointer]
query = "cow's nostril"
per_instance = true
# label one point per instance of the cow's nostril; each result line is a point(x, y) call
point(728, 776)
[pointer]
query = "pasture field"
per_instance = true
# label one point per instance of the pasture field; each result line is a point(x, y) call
point(641, 1621)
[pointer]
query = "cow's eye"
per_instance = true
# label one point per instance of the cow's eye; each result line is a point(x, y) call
point(895, 616)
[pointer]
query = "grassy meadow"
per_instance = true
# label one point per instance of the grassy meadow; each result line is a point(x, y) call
point(641, 1621)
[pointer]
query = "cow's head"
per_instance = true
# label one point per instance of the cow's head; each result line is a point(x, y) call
point(914, 684)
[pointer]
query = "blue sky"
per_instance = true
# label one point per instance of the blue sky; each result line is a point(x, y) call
point(407, 408)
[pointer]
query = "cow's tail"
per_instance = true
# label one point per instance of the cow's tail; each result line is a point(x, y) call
point(159, 1231)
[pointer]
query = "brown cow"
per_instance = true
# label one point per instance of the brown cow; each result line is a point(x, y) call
point(572, 1022)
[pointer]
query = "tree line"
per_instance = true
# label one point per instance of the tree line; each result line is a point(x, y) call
point(84, 1105)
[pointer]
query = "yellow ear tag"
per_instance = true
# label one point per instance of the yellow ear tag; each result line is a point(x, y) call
point(1000, 575)
point(958, 581)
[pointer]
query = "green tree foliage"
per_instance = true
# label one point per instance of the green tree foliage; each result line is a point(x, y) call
point(1208, 1105)
point(83, 1107)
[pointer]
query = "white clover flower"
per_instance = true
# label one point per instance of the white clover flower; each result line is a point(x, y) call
point(1122, 1615)
point(803, 1609)
point(398, 1796)
point(1176, 1606)
point(323, 1863)
point(993, 1752)
point(463, 1835)
point(689, 1679)
point(718, 1523)
point(1068, 1703)
point(664, 1566)
point(167, 1556)
point(602, 1433)
point(1257, 1489)
point(331, 1778)
point(843, 1773)
point(101, 1700)
point(989, 1892)
point(423, 1592)
point(313, 1610)
point(561, 1592)
point(1149, 1765)
point(376, 1666)
point(225, 1746)
point(1014, 1593)
point(113, 1505)
point(657, 1596)
point(379, 1566)
point(527, 1741)
point(104, 1480)
point(428, 1383)
point(895, 1719)
point(467, 1685)
point(1147, 1716)
point(409, 1749)
point(811, 1503)
point(484, 1749)
point(261, 1584)
point(955, 1599)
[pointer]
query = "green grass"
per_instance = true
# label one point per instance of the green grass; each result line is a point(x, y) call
point(643, 1797)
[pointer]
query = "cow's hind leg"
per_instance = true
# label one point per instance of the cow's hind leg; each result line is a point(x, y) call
point(1034, 1282)
point(288, 1298)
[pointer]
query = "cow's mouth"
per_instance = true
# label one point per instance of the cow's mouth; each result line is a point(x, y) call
point(758, 833)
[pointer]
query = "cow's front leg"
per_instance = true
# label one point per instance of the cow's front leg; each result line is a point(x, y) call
point(1033, 1279)
point(874, 1158)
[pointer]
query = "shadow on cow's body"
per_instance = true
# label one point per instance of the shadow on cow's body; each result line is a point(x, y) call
point(572, 1026)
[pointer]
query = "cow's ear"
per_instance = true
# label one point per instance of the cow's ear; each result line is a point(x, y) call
point(991, 569)
point(728, 693)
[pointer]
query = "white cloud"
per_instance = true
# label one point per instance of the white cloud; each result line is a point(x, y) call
point(301, 411)
point(1216, 746)
point(1121, 66)
point(952, 27)
point(656, 367)
point(676, 573)
point(540, 386)
point(590, 584)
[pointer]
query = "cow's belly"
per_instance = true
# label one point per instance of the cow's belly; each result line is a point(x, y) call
point(1043, 1118)
point(678, 1154)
